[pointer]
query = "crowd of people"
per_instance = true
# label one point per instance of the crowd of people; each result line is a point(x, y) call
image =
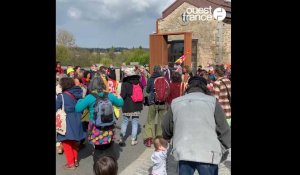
point(184, 102)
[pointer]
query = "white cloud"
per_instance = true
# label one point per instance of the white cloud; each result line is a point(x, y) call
point(74, 13)
point(128, 21)
point(62, 1)
point(140, 5)
point(114, 10)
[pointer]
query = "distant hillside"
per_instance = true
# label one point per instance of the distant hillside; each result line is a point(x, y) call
point(106, 56)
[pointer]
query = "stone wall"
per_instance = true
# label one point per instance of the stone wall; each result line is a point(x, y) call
point(205, 31)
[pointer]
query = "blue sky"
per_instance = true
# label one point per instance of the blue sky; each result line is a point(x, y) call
point(106, 23)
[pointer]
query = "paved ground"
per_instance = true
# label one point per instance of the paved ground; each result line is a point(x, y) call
point(132, 160)
point(143, 165)
point(127, 154)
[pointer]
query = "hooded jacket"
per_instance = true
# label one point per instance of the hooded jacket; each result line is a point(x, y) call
point(126, 92)
point(73, 119)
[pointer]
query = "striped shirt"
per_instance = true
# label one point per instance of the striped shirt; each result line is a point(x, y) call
point(220, 92)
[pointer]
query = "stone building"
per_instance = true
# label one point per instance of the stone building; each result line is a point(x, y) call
point(210, 35)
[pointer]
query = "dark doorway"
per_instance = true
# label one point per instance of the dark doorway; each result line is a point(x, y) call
point(160, 45)
point(176, 50)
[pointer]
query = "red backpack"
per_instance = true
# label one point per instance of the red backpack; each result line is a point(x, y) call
point(137, 93)
point(161, 89)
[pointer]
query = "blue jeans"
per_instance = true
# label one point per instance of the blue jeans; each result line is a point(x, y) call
point(188, 168)
point(134, 124)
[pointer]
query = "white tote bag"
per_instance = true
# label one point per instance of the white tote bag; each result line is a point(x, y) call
point(61, 125)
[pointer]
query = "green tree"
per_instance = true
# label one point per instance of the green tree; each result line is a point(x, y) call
point(138, 55)
point(111, 54)
point(81, 57)
point(94, 58)
point(120, 59)
point(106, 61)
point(65, 51)
point(63, 54)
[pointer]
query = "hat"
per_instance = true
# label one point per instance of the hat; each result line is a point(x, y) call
point(129, 72)
point(70, 70)
point(197, 78)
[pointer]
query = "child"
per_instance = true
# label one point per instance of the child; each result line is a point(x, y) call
point(106, 165)
point(159, 156)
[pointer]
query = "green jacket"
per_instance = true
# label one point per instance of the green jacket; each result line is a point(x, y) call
point(89, 102)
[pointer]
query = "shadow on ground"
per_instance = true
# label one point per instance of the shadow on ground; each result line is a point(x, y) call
point(86, 151)
point(114, 151)
point(227, 164)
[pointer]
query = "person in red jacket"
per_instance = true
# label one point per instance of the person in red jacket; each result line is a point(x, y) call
point(86, 78)
point(177, 87)
point(58, 68)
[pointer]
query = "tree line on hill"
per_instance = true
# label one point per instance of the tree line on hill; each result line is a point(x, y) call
point(69, 54)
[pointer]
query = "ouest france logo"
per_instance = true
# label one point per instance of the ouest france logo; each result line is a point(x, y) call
point(203, 14)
